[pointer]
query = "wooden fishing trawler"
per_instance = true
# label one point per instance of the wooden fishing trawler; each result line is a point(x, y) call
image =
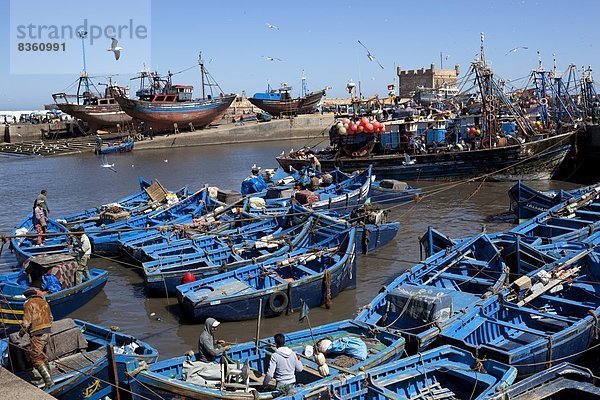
point(495, 136)
point(162, 105)
point(280, 102)
point(97, 110)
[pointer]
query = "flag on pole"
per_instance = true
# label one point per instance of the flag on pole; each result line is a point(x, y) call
point(303, 311)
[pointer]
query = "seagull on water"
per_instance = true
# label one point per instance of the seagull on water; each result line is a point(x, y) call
point(514, 50)
point(105, 164)
point(115, 48)
point(271, 26)
point(369, 55)
point(269, 58)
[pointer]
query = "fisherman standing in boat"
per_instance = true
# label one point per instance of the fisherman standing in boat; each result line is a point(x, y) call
point(206, 343)
point(37, 320)
point(84, 251)
point(42, 201)
point(40, 223)
point(283, 365)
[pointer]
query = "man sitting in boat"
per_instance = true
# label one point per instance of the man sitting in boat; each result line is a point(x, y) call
point(283, 365)
point(206, 343)
point(204, 370)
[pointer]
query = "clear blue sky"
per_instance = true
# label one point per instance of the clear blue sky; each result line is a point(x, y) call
point(320, 37)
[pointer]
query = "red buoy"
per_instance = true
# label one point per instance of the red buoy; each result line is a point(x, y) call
point(188, 277)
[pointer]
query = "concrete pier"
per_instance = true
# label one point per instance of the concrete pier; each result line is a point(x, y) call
point(301, 127)
point(313, 128)
point(17, 133)
point(15, 388)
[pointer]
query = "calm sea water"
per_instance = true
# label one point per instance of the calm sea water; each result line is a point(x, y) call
point(78, 182)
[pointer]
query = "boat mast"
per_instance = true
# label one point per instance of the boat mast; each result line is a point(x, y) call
point(484, 79)
point(541, 82)
point(304, 86)
point(201, 63)
point(84, 75)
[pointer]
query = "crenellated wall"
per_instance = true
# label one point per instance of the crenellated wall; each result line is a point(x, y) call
point(411, 80)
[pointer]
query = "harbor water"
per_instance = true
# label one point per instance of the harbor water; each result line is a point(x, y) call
point(78, 182)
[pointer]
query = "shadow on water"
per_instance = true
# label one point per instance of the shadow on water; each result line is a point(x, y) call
point(78, 182)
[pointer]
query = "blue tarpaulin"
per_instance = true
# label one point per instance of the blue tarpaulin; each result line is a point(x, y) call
point(350, 346)
point(253, 184)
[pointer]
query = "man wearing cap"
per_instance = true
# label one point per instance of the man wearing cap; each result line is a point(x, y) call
point(206, 343)
point(37, 320)
point(283, 365)
point(42, 201)
point(84, 252)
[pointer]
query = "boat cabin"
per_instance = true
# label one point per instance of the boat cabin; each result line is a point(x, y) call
point(172, 94)
point(184, 92)
point(281, 94)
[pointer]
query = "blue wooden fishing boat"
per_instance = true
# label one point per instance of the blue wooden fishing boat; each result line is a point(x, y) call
point(81, 360)
point(161, 244)
point(130, 201)
point(336, 198)
point(528, 202)
point(123, 147)
point(442, 373)
point(550, 314)
point(62, 303)
point(423, 301)
point(370, 237)
point(197, 205)
point(25, 247)
point(390, 192)
point(372, 228)
point(166, 379)
point(162, 276)
point(561, 380)
point(574, 219)
point(312, 276)
point(521, 255)
point(151, 196)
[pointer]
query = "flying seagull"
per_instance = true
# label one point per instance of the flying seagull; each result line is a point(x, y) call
point(371, 56)
point(105, 164)
point(269, 58)
point(115, 48)
point(271, 26)
point(516, 49)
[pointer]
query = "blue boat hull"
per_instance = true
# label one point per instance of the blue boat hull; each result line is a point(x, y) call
point(163, 380)
point(441, 373)
point(91, 376)
point(560, 380)
point(533, 160)
point(311, 291)
point(121, 148)
point(61, 303)
point(371, 237)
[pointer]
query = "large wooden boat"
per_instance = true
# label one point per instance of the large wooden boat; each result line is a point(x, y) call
point(97, 110)
point(538, 159)
point(164, 106)
point(280, 102)
point(494, 136)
